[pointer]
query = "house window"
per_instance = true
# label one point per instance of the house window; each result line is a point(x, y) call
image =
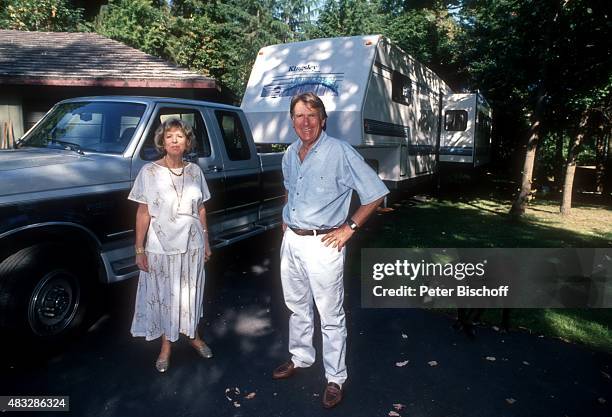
point(455, 120)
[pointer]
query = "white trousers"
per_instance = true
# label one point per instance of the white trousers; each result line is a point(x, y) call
point(310, 271)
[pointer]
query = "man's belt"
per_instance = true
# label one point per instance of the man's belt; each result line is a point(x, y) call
point(315, 232)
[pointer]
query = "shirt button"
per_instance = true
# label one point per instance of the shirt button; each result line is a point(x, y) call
point(292, 209)
point(300, 177)
point(298, 193)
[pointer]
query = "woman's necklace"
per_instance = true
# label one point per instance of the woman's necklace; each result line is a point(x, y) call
point(179, 196)
point(170, 169)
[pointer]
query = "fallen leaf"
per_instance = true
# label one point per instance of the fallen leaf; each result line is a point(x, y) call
point(432, 363)
point(490, 358)
point(510, 401)
point(236, 404)
point(401, 364)
point(601, 400)
point(495, 328)
point(315, 395)
point(231, 393)
point(250, 396)
point(399, 407)
point(605, 374)
point(404, 336)
point(526, 363)
point(393, 414)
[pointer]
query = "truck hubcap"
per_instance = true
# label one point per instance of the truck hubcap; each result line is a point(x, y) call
point(54, 303)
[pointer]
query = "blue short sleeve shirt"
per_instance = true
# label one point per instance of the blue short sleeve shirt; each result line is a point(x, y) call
point(320, 187)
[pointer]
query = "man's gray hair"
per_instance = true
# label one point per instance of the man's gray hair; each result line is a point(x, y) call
point(311, 100)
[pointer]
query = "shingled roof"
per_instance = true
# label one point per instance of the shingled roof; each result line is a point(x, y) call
point(86, 59)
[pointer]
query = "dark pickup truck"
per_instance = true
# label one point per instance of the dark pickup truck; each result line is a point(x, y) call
point(65, 221)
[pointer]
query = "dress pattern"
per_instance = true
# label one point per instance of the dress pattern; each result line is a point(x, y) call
point(169, 298)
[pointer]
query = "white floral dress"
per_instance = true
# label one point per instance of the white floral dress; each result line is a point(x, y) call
point(169, 299)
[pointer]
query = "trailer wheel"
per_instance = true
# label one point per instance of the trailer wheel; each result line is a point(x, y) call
point(44, 291)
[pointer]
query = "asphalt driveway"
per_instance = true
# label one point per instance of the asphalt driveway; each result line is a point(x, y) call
point(404, 357)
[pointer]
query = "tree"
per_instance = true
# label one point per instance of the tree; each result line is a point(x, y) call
point(570, 168)
point(137, 23)
point(532, 59)
point(595, 119)
point(347, 18)
point(40, 15)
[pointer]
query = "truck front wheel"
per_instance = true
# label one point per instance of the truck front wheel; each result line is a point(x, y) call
point(44, 290)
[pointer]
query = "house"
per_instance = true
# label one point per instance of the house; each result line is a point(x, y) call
point(38, 69)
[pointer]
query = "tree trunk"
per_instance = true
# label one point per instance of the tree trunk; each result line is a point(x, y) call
point(559, 160)
point(570, 170)
point(518, 207)
point(535, 130)
point(568, 185)
point(608, 167)
point(600, 158)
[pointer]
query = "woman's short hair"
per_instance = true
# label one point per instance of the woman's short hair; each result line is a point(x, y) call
point(174, 123)
point(311, 100)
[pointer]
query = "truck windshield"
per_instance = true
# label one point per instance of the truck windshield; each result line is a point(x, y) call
point(88, 126)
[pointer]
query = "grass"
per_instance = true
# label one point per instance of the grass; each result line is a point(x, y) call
point(590, 327)
point(476, 217)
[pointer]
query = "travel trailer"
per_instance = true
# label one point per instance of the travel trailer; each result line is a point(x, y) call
point(378, 98)
point(466, 136)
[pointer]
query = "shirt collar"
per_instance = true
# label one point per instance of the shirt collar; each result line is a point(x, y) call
point(322, 138)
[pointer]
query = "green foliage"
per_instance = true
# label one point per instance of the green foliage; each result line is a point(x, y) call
point(511, 50)
point(219, 39)
point(347, 18)
point(40, 15)
point(430, 35)
point(137, 23)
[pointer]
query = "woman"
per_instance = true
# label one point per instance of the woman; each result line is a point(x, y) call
point(171, 215)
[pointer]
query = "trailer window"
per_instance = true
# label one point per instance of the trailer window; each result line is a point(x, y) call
point(401, 88)
point(233, 134)
point(483, 129)
point(455, 120)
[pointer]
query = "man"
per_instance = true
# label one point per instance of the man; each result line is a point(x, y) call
point(320, 174)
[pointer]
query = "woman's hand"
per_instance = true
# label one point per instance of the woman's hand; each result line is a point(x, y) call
point(142, 262)
point(207, 251)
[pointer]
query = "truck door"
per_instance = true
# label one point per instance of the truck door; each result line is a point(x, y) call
point(241, 168)
point(206, 155)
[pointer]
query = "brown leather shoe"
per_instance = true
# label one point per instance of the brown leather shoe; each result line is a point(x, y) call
point(332, 395)
point(286, 370)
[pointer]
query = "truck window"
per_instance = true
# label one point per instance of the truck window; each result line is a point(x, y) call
point(191, 116)
point(233, 135)
point(92, 126)
point(455, 120)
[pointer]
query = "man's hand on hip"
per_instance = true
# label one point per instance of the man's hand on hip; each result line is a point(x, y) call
point(338, 237)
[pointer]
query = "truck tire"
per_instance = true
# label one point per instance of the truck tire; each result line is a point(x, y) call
point(44, 291)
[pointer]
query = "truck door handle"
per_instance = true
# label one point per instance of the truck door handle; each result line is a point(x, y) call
point(214, 168)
